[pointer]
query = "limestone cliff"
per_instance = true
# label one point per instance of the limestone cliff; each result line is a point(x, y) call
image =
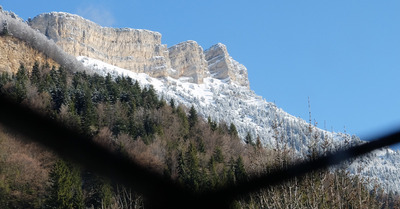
point(132, 49)
point(187, 60)
point(140, 51)
point(224, 67)
point(14, 52)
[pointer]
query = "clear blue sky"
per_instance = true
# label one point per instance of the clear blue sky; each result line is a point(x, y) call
point(344, 55)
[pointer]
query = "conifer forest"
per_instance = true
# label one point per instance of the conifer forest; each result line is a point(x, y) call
point(169, 139)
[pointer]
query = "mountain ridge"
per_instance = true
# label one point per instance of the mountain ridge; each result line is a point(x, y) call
point(138, 50)
point(224, 100)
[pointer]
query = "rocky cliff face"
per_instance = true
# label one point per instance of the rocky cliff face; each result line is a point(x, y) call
point(188, 60)
point(14, 52)
point(136, 50)
point(224, 67)
point(139, 50)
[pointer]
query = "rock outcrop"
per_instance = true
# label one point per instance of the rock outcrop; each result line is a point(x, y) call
point(14, 52)
point(188, 60)
point(224, 67)
point(140, 51)
point(132, 49)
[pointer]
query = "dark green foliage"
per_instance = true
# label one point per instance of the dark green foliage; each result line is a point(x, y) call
point(35, 74)
point(193, 177)
point(231, 172)
point(223, 129)
point(4, 79)
point(184, 127)
point(213, 125)
point(149, 98)
point(192, 119)
point(218, 155)
point(240, 172)
point(236, 170)
point(65, 191)
point(249, 140)
point(233, 131)
point(172, 104)
point(182, 170)
point(200, 145)
point(21, 81)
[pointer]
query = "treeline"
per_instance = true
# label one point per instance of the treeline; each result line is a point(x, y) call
point(166, 137)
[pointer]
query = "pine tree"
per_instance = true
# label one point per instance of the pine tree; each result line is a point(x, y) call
point(172, 104)
point(192, 162)
point(258, 143)
point(192, 119)
point(65, 191)
point(214, 180)
point(5, 32)
point(218, 155)
point(182, 171)
point(213, 125)
point(240, 171)
point(248, 140)
point(21, 79)
point(35, 74)
point(233, 131)
point(184, 123)
point(4, 78)
point(230, 175)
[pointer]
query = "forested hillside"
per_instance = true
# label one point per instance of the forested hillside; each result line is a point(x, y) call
point(173, 140)
point(169, 139)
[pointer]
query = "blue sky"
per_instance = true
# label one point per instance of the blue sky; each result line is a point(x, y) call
point(343, 55)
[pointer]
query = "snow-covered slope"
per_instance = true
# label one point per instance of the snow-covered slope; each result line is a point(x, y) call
point(231, 103)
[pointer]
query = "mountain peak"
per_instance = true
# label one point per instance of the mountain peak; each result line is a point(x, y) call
point(222, 66)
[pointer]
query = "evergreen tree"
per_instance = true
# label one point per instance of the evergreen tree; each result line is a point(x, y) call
point(233, 131)
point(192, 119)
point(240, 171)
point(5, 28)
point(184, 127)
point(214, 180)
point(182, 171)
point(137, 94)
point(230, 175)
point(258, 143)
point(218, 155)
point(248, 140)
point(35, 74)
point(172, 104)
point(192, 163)
point(149, 97)
point(213, 125)
point(4, 78)
point(65, 191)
point(21, 79)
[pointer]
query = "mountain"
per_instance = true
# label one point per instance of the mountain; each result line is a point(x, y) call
point(210, 80)
point(138, 50)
